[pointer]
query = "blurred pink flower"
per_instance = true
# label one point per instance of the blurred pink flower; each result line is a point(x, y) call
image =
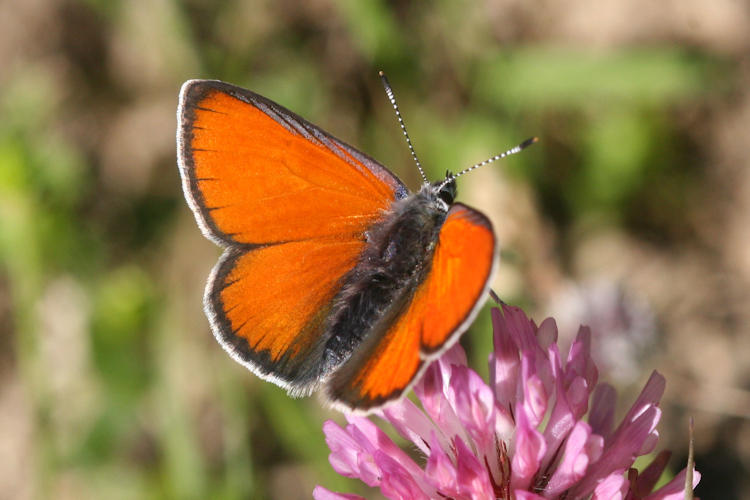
point(523, 436)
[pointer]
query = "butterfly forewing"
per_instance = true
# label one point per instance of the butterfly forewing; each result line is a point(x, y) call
point(463, 264)
point(256, 173)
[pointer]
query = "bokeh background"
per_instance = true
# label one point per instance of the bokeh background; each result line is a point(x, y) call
point(632, 214)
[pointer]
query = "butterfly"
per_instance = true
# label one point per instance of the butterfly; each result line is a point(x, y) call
point(334, 275)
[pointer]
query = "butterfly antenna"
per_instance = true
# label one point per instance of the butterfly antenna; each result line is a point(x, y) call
point(517, 149)
point(392, 98)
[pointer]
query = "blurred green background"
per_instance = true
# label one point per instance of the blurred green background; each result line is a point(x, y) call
point(632, 214)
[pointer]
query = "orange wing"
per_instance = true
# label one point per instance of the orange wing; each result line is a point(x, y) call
point(268, 306)
point(392, 358)
point(256, 173)
point(291, 204)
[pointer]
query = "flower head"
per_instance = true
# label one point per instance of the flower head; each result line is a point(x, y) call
point(543, 428)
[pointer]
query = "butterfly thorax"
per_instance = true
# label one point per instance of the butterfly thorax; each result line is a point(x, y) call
point(396, 259)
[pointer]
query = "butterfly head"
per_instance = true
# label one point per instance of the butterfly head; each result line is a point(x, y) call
point(443, 191)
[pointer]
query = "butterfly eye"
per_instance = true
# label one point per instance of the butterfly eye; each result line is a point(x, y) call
point(447, 193)
point(446, 196)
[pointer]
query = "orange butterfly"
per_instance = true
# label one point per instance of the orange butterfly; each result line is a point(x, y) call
point(333, 273)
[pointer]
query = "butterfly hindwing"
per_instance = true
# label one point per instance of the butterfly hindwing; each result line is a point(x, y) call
point(442, 307)
point(268, 306)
